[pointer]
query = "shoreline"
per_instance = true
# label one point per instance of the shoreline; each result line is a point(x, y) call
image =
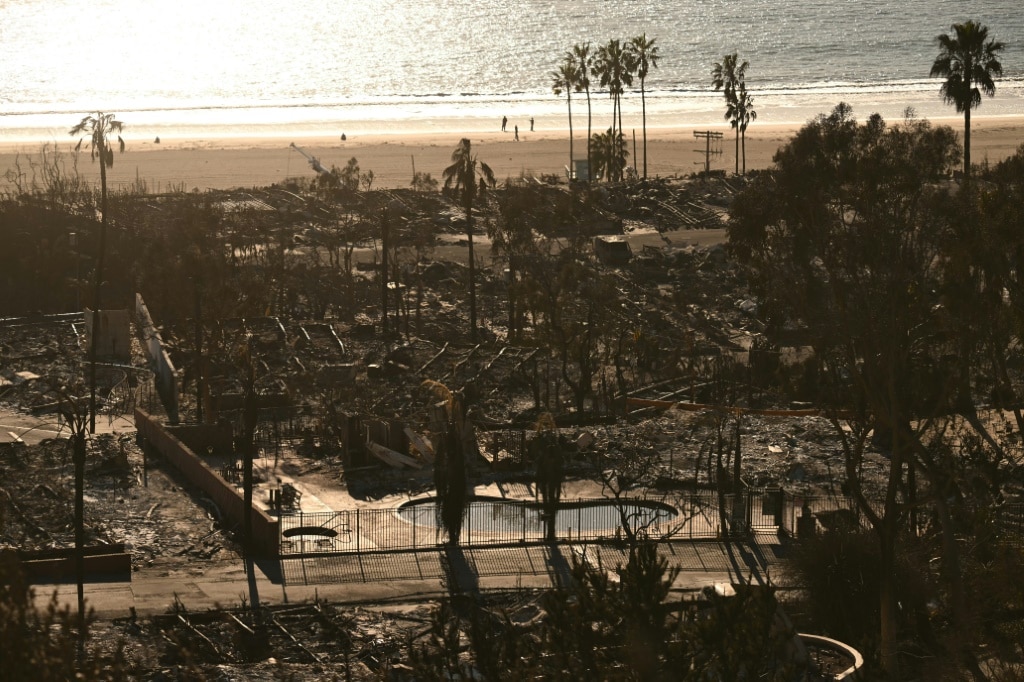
point(230, 162)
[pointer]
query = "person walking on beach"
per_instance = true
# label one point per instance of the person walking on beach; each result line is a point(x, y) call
point(517, 133)
point(504, 122)
point(531, 124)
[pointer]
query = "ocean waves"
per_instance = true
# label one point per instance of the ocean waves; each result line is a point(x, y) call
point(420, 65)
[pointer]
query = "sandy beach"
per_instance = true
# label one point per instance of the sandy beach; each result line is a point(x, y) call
point(225, 163)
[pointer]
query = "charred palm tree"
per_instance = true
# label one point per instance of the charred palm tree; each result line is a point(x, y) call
point(462, 177)
point(548, 458)
point(100, 127)
point(69, 407)
point(450, 464)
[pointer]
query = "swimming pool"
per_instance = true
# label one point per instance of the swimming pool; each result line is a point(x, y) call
point(589, 518)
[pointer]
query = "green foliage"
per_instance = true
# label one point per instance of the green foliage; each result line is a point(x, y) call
point(901, 287)
point(968, 60)
point(608, 154)
point(729, 76)
point(849, 224)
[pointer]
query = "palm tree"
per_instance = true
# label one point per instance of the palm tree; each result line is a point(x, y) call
point(565, 78)
point(615, 67)
point(462, 175)
point(609, 154)
point(450, 481)
point(645, 55)
point(585, 62)
point(100, 127)
point(968, 61)
point(745, 114)
point(727, 76)
point(546, 450)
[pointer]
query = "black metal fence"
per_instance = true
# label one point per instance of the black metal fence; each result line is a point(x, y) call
point(1010, 520)
point(415, 525)
point(696, 515)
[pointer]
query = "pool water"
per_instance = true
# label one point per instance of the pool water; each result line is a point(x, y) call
point(509, 516)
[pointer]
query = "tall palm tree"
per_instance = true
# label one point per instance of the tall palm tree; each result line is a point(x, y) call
point(645, 56)
point(565, 79)
point(968, 61)
point(100, 127)
point(462, 176)
point(728, 76)
point(585, 62)
point(745, 114)
point(614, 65)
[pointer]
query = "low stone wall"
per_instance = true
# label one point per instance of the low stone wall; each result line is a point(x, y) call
point(265, 530)
point(58, 565)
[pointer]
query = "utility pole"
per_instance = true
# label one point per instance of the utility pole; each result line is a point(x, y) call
point(73, 242)
point(199, 348)
point(385, 243)
point(708, 136)
point(635, 171)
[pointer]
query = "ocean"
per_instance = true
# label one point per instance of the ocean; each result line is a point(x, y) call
point(223, 68)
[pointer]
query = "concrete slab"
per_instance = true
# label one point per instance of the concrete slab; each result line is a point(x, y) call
point(397, 576)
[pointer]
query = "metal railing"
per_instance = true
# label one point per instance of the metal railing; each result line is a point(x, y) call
point(699, 515)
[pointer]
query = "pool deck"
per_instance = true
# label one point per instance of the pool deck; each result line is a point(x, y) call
point(396, 577)
point(406, 576)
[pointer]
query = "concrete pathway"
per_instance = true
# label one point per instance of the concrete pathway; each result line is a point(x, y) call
point(406, 576)
point(19, 427)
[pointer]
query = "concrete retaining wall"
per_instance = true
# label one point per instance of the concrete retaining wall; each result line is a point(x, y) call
point(163, 368)
point(265, 529)
point(59, 565)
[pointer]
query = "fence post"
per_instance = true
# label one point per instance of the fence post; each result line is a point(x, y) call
point(414, 524)
point(691, 513)
point(522, 515)
point(357, 530)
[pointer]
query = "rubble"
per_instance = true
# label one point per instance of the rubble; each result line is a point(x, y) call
point(341, 403)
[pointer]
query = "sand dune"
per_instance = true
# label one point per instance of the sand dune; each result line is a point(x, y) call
point(247, 162)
